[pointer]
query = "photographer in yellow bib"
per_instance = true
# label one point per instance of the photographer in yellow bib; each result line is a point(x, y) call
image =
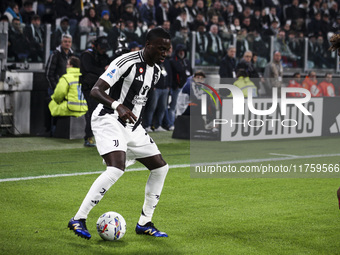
point(68, 99)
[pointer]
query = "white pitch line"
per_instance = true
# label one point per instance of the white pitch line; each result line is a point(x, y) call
point(284, 155)
point(174, 166)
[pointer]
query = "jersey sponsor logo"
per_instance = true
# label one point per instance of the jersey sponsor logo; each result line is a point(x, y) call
point(139, 78)
point(140, 100)
point(110, 74)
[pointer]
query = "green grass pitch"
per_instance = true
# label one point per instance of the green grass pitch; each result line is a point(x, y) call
point(201, 215)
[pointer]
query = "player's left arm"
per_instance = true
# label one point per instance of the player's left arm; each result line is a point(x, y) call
point(98, 92)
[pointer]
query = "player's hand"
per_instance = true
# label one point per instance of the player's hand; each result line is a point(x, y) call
point(126, 114)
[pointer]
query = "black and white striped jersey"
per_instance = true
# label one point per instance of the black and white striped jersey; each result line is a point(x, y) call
point(130, 79)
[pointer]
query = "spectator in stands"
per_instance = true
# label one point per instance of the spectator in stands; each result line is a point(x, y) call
point(247, 25)
point(61, 30)
point(229, 14)
point(326, 25)
point(251, 4)
point(201, 43)
point(27, 12)
point(105, 21)
point(190, 10)
point(271, 16)
point(245, 14)
point(116, 36)
point(89, 24)
point(199, 19)
point(315, 26)
point(311, 83)
point(295, 44)
point(180, 22)
point(320, 55)
point(12, 12)
point(175, 10)
point(235, 27)
point(181, 70)
point(200, 9)
point(129, 32)
point(245, 63)
point(273, 74)
point(215, 50)
point(134, 46)
point(242, 44)
point(215, 9)
point(244, 83)
point(56, 64)
point(94, 62)
point(314, 9)
point(68, 99)
point(158, 101)
point(272, 30)
point(261, 47)
point(256, 20)
point(35, 36)
point(135, 10)
point(18, 45)
point(65, 8)
point(294, 11)
point(280, 44)
point(129, 14)
point(148, 12)
point(213, 20)
point(295, 82)
point(162, 12)
point(327, 87)
point(181, 37)
point(116, 10)
point(336, 25)
point(47, 12)
point(166, 25)
point(228, 65)
point(224, 33)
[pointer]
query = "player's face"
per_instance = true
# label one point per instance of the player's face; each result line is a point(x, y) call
point(158, 49)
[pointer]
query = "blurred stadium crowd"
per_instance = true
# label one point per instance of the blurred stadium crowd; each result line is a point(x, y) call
point(218, 24)
point(220, 30)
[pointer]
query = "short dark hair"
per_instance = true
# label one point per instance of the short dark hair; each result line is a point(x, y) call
point(199, 73)
point(242, 72)
point(156, 33)
point(35, 17)
point(74, 61)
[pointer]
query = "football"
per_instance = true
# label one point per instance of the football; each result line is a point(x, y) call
point(111, 226)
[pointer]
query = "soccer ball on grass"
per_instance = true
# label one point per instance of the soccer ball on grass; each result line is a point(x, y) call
point(111, 226)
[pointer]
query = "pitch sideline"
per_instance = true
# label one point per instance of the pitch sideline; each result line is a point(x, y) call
point(173, 166)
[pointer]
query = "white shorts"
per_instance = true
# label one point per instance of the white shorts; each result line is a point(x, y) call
point(111, 135)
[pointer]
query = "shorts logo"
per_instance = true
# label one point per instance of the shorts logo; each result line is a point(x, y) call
point(116, 143)
point(141, 70)
point(110, 74)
